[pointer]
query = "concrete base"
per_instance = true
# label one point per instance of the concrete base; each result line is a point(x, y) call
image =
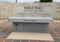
point(29, 37)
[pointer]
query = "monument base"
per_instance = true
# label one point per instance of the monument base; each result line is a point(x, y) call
point(31, 24)
point(29, 37)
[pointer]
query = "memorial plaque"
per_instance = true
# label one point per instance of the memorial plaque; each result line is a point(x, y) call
point(34, 10)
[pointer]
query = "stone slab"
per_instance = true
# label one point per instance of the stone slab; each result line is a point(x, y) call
point(31, 19)
point(30, 36)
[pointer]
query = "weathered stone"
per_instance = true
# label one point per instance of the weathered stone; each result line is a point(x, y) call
point(30, 24)
point(13, 9)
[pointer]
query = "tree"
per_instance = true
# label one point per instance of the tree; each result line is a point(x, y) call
point(46, 0)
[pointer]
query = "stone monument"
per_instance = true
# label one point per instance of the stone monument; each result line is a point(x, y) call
point(30, 27)
point(31, 24)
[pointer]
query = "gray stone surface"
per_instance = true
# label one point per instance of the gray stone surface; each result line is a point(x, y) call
point(16, 40)
point(24, 40)
point(30, 24)
point(30, 27)
point(31, 19)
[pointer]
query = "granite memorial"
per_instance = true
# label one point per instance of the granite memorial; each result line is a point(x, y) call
point(32, 18)
point(31, 23)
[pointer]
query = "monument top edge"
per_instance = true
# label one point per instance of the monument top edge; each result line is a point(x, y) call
point(30, 18)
